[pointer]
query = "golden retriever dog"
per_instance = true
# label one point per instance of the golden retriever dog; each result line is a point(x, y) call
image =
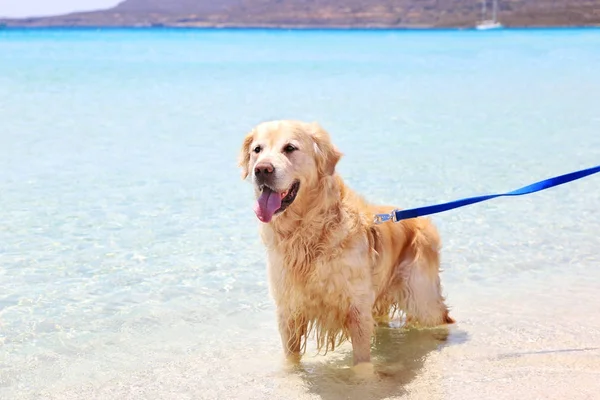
point(332, 270)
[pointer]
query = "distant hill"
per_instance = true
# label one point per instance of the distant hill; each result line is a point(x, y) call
point(326, 14)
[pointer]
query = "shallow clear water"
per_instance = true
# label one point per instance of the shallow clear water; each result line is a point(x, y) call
point(130, 263)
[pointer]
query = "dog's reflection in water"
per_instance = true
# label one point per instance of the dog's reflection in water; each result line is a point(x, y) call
point(398, 356)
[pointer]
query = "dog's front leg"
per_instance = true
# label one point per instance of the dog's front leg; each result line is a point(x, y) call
point(360, 326)
point(291, 330)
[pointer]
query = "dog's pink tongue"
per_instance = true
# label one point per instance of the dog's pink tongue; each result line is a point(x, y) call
point(267, 204)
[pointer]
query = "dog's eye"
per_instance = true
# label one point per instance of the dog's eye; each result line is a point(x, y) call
point(257, 149)
point(289, 148)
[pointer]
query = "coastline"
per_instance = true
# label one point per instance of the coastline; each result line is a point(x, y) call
point(584, 15)
point(300, 27)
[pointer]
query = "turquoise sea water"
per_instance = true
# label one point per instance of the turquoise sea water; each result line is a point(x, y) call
point(130, 264)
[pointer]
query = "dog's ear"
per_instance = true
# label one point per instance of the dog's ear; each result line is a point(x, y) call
point(244, 156)
point(327, 154)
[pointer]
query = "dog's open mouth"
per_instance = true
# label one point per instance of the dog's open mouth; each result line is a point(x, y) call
point(271, 202)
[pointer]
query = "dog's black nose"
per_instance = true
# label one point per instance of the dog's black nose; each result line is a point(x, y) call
point(263, 170)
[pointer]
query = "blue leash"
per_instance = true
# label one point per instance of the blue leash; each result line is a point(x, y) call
point(398, 215)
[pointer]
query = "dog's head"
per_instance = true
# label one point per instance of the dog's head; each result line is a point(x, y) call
point(286, 160)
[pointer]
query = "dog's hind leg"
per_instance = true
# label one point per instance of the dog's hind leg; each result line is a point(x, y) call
point(423, 300)
point(425, 305)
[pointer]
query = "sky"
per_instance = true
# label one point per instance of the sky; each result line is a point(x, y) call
point(34, 8)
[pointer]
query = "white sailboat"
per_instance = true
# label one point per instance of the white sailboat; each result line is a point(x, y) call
point(493, 23)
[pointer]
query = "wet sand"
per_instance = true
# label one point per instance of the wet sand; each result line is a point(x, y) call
point(538, 342)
